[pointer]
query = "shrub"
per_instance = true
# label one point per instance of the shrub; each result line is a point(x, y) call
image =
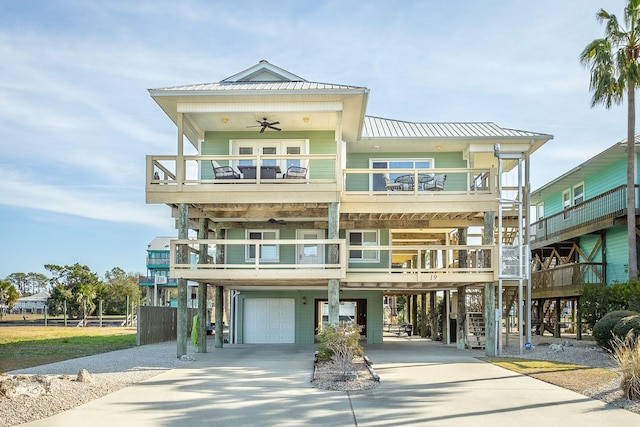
point(627, 354)
point(603, 329)
point(626, 324)
point(343, 344)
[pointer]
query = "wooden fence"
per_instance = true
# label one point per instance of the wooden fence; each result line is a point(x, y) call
point(159, 324)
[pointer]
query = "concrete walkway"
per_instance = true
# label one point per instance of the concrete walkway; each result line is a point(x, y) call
point(422, 384)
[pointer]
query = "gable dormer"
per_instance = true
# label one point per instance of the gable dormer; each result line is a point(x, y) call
point(263, 71)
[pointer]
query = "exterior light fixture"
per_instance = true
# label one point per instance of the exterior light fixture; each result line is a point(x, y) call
point(305, 119)
point(225, 119)
point(304, 300)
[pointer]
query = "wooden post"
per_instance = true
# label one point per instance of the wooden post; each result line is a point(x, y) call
point(556, 329)
point(183, 258)
point(446, 333)
point(433, 307)
point(100, 311)
point(334, 257)
point(219, 338)
point(203, 258)
point(491, 337)
point(461, 312)
point(578, 320)
point(423, 315)
point(414, 314)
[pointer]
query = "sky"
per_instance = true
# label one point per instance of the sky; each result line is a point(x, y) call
point(76, 118)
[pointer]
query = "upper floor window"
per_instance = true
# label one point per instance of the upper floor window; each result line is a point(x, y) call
point(362, 239)
point(578, 193)
point(267, 252)
point(269, 151)
point(377, 180)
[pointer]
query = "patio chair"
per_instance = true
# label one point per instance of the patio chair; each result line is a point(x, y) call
point(405, 181)
point(437, 184)
point(224, 172)
point(296, 172)
point(390, 185)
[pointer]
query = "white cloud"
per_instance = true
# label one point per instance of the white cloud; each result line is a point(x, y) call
point(101, 203)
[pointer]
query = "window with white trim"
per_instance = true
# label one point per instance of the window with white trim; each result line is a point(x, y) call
point(377, 180)
point(578, 193)
point(358, 241)
point(267, 148)
point(268, 252)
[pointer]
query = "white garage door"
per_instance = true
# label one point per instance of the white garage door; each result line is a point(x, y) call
point(269, 321)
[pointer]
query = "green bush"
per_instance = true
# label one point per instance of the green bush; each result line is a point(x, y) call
point(603, 329)
point(341, 344)
point(626, 324)
point(599, 299)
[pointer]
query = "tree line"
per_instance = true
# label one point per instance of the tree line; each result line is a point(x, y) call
point(75, 288)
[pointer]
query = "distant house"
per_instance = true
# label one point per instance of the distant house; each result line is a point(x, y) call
point(157, 279)
point(580, 235)
point(34, 304)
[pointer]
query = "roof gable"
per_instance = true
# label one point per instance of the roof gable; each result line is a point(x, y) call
point(263, 71)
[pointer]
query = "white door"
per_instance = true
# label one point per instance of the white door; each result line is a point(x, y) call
point(312, 253)
point(269, 321)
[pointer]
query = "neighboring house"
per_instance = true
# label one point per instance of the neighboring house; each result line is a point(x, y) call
point(317, 211)
point(158, 282)
point(34, 304)
point(580, 236)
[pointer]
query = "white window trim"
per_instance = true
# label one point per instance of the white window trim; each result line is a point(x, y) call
point(363, 260)
point(573, 193)
point(431, 160)
point(280, 145)
point(247, 257)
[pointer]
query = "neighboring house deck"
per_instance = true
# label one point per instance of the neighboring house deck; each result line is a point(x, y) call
point(580, 236)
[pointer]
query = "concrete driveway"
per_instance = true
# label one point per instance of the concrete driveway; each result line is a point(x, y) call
point(422, 383)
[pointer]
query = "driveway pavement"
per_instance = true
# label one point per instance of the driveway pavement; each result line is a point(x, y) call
point(422, 384)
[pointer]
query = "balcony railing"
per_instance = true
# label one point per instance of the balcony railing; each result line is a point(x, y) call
point(193, 170)
point(174, 173)
point(285, 260)
point(262, 259)
point(568, 278)
point(149, 281)
point(414, 181)
point(608, 205)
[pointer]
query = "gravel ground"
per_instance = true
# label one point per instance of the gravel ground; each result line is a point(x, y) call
point(585, 353)
point(110, 371)
point(115, 370)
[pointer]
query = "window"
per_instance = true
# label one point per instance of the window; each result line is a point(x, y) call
point(377, 180)
point(566, 199)
point(269, 252)
point(578, 194)
point(269, 148)
point(363, 238)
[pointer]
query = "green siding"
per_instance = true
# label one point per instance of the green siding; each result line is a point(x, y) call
point(617, 254)
point(305, 313)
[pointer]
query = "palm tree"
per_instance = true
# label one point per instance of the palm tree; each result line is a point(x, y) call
point(613, 61)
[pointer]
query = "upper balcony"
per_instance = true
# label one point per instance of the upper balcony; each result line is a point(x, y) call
point(589, 216)
point(192, 179)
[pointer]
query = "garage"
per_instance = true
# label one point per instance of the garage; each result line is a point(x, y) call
point(269, 321)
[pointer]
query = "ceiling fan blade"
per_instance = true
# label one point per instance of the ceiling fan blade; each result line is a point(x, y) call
point(274, 128)
point(262, 130)
point(274, 123)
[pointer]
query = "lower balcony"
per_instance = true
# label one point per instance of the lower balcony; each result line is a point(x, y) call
point(304, 263)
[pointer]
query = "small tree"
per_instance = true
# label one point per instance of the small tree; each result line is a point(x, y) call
point(342, 342)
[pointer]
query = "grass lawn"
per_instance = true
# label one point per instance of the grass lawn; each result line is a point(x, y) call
point(27, 346)
point(573, 377)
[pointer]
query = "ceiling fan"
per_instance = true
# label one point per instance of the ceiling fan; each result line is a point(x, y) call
point(266, 124)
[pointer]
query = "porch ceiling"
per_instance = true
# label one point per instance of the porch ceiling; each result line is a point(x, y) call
point(315, 215)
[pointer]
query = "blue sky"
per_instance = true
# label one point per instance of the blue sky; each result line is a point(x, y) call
point(76, 120)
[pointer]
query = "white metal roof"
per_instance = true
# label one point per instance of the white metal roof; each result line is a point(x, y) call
point(160, 244)
point(258, 86)
point(599, 162)
point(376, 127)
